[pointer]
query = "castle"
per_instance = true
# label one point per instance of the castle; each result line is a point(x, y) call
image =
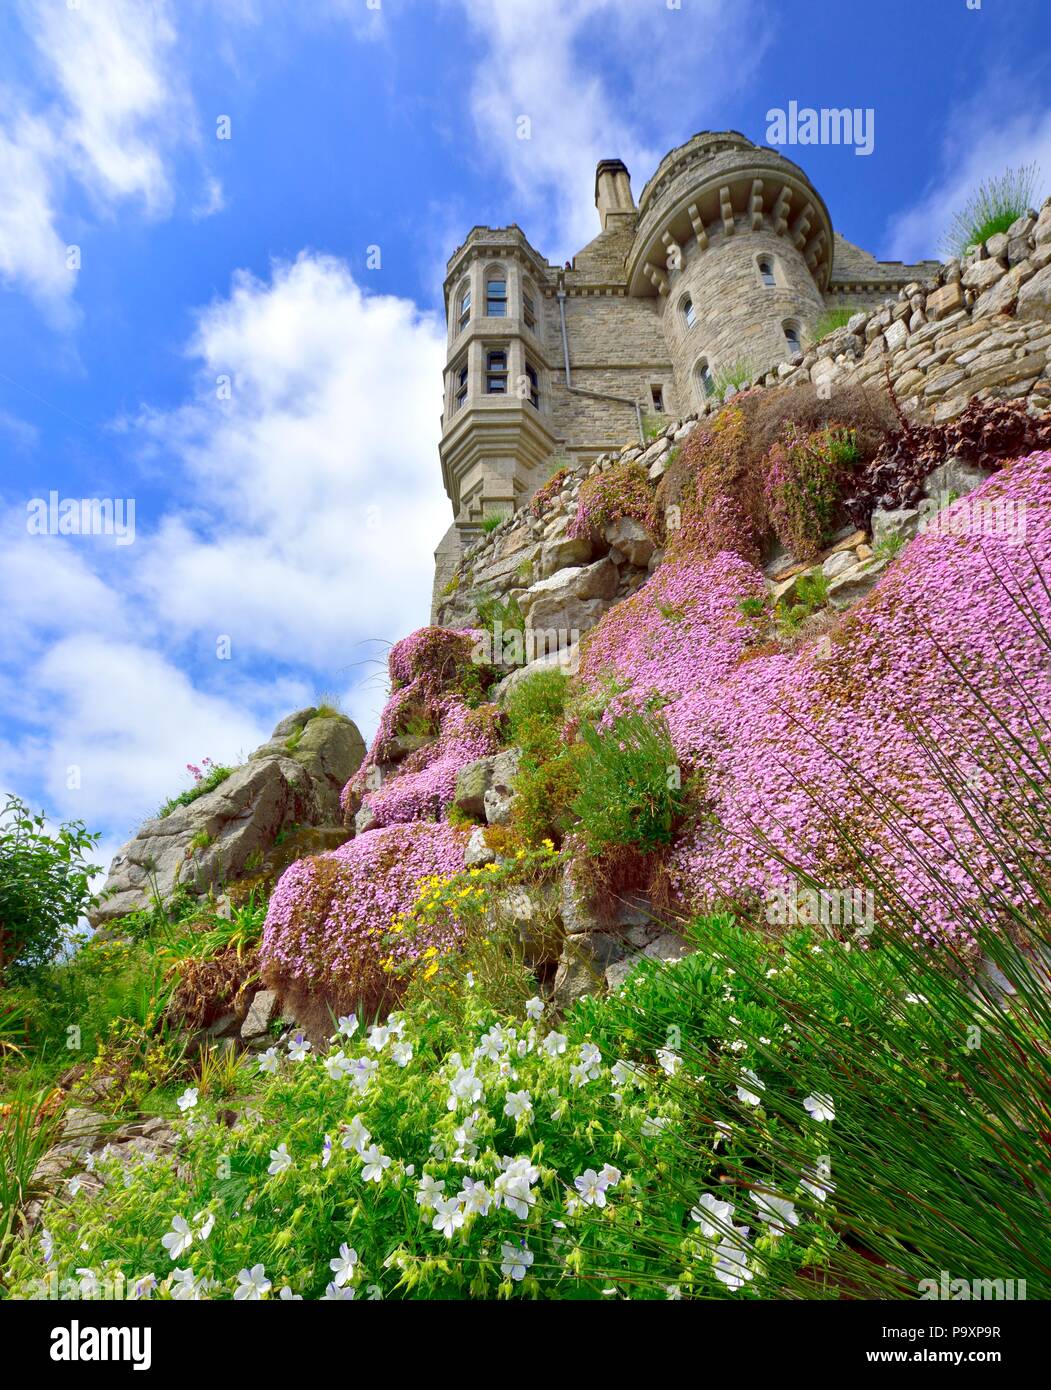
point(726, 264)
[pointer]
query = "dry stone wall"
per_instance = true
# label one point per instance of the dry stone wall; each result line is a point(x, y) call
point(980, 326)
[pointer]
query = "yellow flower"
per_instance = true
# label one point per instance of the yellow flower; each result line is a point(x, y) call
point(430, 971)
point(430, 951)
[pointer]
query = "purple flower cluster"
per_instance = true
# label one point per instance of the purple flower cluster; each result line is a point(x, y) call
point(423, 786)
point(792, 745)
point(330, 917)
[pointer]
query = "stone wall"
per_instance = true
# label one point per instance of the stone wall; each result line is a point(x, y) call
point(980, 327)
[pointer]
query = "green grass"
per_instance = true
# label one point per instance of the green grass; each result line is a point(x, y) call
point(991, 208)
point(490, 523)
point(734, 374)
point(215, 777)
point(830, 322)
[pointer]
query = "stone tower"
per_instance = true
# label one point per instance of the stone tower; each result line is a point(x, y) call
point(728, 262)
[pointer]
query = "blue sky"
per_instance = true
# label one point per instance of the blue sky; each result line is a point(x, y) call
point(295, 514)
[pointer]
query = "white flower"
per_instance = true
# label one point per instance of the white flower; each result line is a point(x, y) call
point(396, 1026)
point(820, 1108)
point(362, 1072)
point(722, 1133)
point(653, 1124)
point(448, 1216)
point(778, 1212)
point(89, 1283)
point(342, 1266)
point(74, 1185)
point(428, 1190)
point(338, 1065)
point(591, 1058)
point(287, 1296)
point(534, 1008)
point(515, 1260)
point(347, 1025)
point(731, 1264)
point(513, 1185)
point(188, 1099)
point(335, 1293)
point(47, 1245)
point(591, 1187)
point(378, 1037)
point(624, 1074)
point(355, 1135)
point(474, 1197)
point(669, 1060)
point(708, 1211)
point(610, 1175)
point(252, 1284)
point(493, 1044)
point(298, 1047)
point(179, 1238)
point(673, 1292)
point(469, 977)
point(280, 1159)
point(748, 1094)
point(465, 1088)
point(144, 1286)
point(375, 1162)
point(269, 1062)
point(326, 1151)
point(519, 1103)
point(182, 1285)
point(402, 1053)
point(817, 1181)
point(554, 1044)
point(207, 1219)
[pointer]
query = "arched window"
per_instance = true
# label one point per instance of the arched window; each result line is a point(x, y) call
point(688, 312)
point(464, 312)
point(496, 296)
point(705, 380)
point(793, 338)
point(766, 271)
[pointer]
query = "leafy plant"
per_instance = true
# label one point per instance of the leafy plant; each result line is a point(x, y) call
point(45, 885)
point(205, 781)
point(991, 208)
point(490, 523)
point(830, 321)
point(630, 790)
point(736, 374)
point(804, 480)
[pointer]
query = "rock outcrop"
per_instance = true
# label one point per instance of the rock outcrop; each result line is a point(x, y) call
point(292, 780)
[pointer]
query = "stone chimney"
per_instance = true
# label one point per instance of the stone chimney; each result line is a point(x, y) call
point(612, 189)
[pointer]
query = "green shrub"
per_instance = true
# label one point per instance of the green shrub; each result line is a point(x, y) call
point(490, 523)
point(803, 482)
point(630, 793)
point(991, 208)
point(547, 778)
point(45, 885)
point(831, 321)
point(214, 777)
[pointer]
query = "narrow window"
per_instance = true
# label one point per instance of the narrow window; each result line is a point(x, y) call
point(657, 392)
point(496, 373)
point(689, 313)
point(795, 346)
point(704, 376)
point(528, 310)
point(534, 386)
point(766, 270)
point(465, 310)
point(496, 299)
point(461, 388)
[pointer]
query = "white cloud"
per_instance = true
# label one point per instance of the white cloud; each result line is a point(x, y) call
point(547, 61)
point(109, 112)
point(314, 496)
point(975, 148)
point(300, 519)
